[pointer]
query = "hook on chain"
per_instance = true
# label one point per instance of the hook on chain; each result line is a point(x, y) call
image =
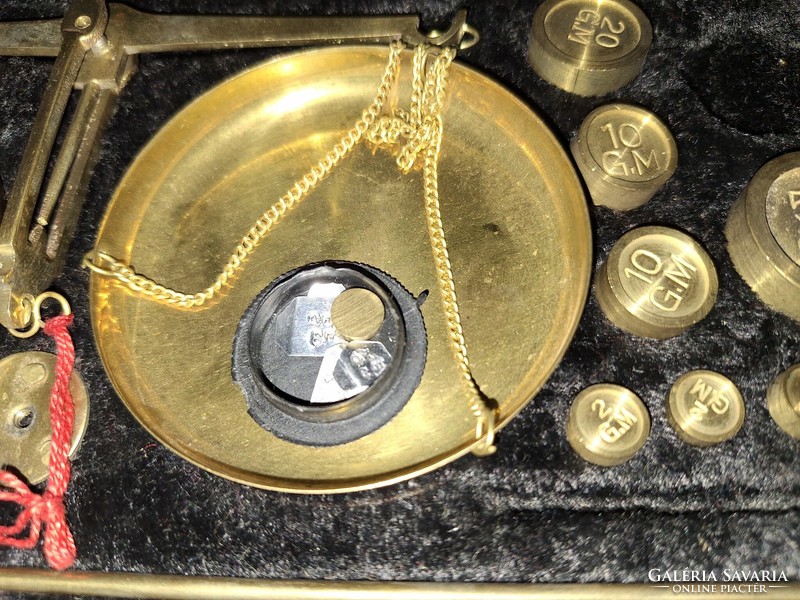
point(33, 309)
point(485, 429)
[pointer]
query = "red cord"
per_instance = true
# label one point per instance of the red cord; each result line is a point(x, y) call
point(48, 509)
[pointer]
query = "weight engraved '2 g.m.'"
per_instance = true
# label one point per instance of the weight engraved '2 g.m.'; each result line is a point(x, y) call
point(607, 424)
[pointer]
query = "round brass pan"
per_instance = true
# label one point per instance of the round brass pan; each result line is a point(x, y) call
point(517, 229)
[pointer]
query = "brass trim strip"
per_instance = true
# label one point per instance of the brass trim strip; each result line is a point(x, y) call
point(177, 587)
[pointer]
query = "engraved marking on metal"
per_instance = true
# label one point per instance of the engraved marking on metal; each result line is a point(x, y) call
point(589, 47)
point(656, 282)
point(592, 30)
point(607, 424)
point(627, 159)
point(616, 420)
point(705, 408)
point(585, 30)
point(628, 148)
point(664, 279)
point(314, 363)
point(304, 326)
point(707, 398)
point(348, 370)
point(625, 153)
point(783, 212)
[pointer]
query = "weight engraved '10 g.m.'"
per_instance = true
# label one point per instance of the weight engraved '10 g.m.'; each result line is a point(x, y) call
point(625, 154)
point(656, 282)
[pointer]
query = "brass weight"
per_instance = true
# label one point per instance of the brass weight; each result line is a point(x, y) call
point(656, 282)
point(625, 154)
point(607, 424)
point(705, 408)
point(783, 400)
point(589, 47)
point(763, 232)
point(26, 380)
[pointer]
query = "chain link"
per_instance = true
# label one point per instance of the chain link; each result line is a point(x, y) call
point(109, 266)
point(418, 134)
point(421, 127)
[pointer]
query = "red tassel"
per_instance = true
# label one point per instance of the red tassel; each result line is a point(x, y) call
point(47, 510)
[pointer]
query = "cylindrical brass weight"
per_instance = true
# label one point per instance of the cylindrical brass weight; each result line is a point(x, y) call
point(607, 424)
point(589, 47)
point(763, 232)
point(705, 408)
point(656, 282)
point(625, 154)
point(783, 400)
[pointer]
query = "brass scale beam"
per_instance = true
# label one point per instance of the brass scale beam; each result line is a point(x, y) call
point(171, 587)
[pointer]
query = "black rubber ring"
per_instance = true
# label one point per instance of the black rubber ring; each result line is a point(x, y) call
point(349, 420)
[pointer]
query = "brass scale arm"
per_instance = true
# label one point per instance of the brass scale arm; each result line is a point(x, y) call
point(95, 48)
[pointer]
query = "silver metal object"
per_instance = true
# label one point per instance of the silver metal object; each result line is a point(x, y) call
point(348, 370)
point(303, 327)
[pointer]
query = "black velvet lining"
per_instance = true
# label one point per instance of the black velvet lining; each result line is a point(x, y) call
point(725, 76)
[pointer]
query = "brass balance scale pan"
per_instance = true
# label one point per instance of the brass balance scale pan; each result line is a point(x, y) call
point(517, 230)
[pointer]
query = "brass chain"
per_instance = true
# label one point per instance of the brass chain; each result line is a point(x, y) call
point(421, 128)
point(112, 267)
point(420, 132)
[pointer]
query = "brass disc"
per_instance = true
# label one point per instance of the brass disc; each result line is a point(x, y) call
point(763, 232)
point(589, 47)
point(357, 314)
point(656, 282)
point(783, 400)
point(625, 154)
point(26, 380)
point(517, 230)
point(607, 424)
